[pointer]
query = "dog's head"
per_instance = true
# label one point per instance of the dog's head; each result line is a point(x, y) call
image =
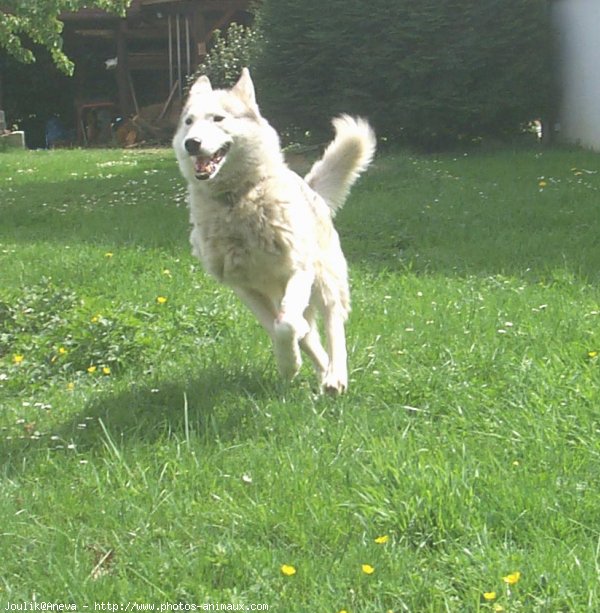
point(216, 127)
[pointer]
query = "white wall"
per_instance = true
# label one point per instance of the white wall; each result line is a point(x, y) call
point(578, 26)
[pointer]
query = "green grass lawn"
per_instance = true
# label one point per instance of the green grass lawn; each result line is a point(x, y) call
point(149, 453)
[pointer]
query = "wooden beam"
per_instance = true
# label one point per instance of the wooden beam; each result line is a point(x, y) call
point(95, 33)
point(169, 100)
point(148, 33)
point(88, 15)
point(124, 83)
point(198, 38)
point(153, 2)
point(202, 4)
point(148, 60)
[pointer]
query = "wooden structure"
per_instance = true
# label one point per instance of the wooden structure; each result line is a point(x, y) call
point(152, 50)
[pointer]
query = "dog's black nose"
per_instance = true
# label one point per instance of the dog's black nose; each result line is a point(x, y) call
point(192, 146)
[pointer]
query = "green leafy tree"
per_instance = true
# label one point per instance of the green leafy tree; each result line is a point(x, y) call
point(38, 21)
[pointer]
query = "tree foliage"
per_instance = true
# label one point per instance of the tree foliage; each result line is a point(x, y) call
point(430, 72)
point(38, 21)
point(231, 50)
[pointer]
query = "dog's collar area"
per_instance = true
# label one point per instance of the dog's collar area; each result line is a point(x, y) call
point(229, 199)
point(229, 195)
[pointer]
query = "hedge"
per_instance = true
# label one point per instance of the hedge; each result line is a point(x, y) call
point(429, 73)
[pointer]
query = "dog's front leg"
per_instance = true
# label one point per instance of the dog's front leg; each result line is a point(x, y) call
point(279, 327)
point(290, 326)
point(260, 305)
point(290, 318)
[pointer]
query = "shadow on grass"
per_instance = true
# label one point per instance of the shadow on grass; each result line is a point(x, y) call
point(518, 252)
point(200, 408)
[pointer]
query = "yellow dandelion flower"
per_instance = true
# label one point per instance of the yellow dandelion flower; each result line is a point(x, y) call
point(62, 351)
point(108, 254)
point(367, 569)
point(288, 570)
point(18, 359)
point(161, 299)
point(70, 387)
point(592, 354)
point(542, 184)
point(105, 370)
point(92, 369)
point(512, 578)
point(383, 539)
point(95, 319)
point(489, 596)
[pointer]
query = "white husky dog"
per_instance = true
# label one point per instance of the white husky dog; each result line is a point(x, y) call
point(264, 231)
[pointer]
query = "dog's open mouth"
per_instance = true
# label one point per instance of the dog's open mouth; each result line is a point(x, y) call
point(207, 166)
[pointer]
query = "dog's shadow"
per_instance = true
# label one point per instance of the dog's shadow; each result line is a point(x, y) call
point(214, 406)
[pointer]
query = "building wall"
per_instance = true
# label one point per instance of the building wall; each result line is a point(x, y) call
point(578, 26)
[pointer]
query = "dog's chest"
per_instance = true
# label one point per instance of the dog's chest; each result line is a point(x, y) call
point(241, 243)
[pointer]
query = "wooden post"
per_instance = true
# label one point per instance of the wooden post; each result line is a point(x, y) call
point(198, 36)
point(178, 43)
point(170, 43)
point(123, 75)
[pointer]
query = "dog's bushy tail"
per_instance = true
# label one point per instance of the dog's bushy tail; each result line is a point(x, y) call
point(346, 157)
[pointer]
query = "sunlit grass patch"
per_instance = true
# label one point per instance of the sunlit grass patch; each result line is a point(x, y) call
point(149, 451)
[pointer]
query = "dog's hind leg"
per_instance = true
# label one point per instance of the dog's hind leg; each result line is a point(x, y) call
point(311, 345)
point(336, 378)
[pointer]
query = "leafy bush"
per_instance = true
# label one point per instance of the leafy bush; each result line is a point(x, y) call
point(231, 51)
point(428, 73)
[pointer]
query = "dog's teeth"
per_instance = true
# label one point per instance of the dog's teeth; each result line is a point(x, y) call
point(204, 165)
point(207, 166)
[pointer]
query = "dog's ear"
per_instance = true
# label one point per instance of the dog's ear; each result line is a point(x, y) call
point(201, 86)
point(244, 89)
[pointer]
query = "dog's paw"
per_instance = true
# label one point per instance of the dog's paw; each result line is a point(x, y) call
point(288, 360)
point(286, 349)
point(334, 384)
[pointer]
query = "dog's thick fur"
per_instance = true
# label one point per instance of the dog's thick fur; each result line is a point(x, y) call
point(264, 231)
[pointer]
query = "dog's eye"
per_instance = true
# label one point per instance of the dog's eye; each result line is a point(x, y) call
point(218, 118)
point(189, 121)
